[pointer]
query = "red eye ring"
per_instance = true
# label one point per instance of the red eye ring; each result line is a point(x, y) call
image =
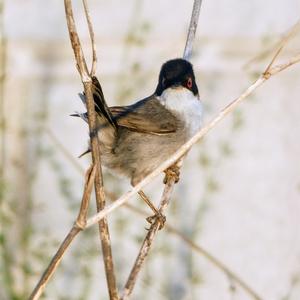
point(189, 83)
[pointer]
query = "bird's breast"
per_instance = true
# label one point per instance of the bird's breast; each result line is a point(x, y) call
point(185, 105)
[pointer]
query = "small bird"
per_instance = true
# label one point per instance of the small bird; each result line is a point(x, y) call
point(137, 138)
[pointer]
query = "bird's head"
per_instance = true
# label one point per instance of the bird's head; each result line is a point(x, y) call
point(176, 73)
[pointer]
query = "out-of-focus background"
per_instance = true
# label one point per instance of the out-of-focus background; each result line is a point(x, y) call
point(239, 191)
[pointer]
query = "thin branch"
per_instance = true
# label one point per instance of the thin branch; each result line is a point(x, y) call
point(145, 248)
point(74, 38)
point(192, 30)
point(77, 227)
point(282, 44)
point(92, 37)
point(198, 136)
point(96, 157)
point(265, 53)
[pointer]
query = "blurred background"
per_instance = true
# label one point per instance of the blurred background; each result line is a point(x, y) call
point(239, 191)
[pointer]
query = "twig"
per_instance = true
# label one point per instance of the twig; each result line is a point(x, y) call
point(80, 60)
point(92, 37)
point(282, 43)
point(99, 191)
point(199, 135)
point(145, 248)
point(77, 227)
point(287, 36)
point(192, 30)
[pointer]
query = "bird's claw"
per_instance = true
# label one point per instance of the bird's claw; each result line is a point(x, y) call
point(160, 218)
point(172, 172)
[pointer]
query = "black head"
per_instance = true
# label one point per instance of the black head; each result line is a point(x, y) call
point(176, 72)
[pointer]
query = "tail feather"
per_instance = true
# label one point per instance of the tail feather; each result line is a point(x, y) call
point(84, 153)
point(106, 125)
point(100, 103)
point(83, 116)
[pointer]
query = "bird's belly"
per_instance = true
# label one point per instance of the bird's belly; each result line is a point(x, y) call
point(138, 154)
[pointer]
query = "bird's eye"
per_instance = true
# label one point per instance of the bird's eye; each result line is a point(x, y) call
point(189, 83)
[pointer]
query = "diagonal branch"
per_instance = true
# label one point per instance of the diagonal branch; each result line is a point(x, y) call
point(92, 36)
point(77, 227)
point(145, 248)
point(99, 191)
point(192, 30)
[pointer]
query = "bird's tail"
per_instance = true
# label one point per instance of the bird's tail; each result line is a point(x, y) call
point(106, 126)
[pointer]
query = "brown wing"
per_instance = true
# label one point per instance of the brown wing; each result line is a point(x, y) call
point(148, 116)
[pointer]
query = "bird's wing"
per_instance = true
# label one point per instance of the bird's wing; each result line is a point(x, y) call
point(147, 116)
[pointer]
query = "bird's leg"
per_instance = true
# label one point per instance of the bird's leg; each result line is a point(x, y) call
point(172, 172)
point(157, 214)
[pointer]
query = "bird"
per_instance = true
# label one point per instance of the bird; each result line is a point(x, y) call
point(135, 139)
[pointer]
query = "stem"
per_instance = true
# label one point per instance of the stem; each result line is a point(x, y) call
point(192, 30)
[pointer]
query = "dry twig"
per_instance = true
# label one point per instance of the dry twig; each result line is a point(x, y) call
point(77, 227)
point(147, 241)
point(192, 30)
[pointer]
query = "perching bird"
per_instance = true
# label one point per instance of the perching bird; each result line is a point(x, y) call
point(137, 138)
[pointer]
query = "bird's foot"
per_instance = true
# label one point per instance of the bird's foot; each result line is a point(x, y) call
point(172, 172)
point(159, 217)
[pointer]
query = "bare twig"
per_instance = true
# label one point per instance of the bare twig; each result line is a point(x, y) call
point(74, 38)
point(287, 36)
point(282, 44)
point(77, 227)
point(145, 248)
point(199, 135)
point(92, 36)
point(192, 30)
point(99, 191)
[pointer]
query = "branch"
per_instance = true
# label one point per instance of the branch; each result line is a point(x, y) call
point(197, 137)
point(99, 191)
point(92, 37)
point(77, 227)
point(145, 248)
point(192, 30)
point(291, 33)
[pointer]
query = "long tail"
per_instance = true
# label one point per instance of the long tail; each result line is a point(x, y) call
point(106, 125)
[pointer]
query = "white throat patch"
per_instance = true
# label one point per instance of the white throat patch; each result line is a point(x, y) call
point(186, 104)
